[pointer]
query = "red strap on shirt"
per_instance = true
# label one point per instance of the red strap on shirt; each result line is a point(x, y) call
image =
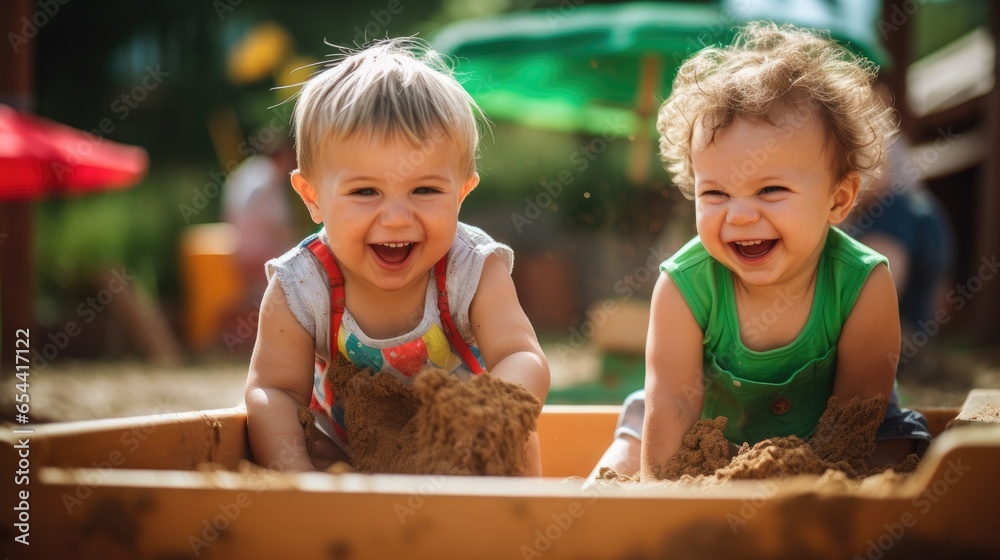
point(325, 256)
point(440, 276)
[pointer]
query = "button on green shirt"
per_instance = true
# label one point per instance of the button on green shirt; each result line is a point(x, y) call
point(776, 392)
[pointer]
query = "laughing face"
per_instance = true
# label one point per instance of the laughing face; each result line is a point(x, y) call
point(766, 196)
point(390, 209)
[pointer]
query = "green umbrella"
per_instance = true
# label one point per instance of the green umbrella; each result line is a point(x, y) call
point(573, 69)
point(582, 69)
point(594, 68)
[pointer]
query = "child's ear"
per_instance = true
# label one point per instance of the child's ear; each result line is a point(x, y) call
point(844, 195)
point(308, 194)
point(468, 187)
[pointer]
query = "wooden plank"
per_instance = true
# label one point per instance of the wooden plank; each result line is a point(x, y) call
point(981, 407)
point(945, 510)
point(573, 437)
point(180, 441)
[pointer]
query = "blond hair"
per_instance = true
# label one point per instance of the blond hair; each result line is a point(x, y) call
point(393, 88)
point(765, 65)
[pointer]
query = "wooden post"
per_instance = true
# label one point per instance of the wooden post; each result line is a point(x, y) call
point(986, 318)
point(17, 219)
point(895, 32)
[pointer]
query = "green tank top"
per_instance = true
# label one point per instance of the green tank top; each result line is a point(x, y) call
point(776, 392)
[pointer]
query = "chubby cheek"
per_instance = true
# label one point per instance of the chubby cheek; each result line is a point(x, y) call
point(708, 221)
point(709, 227)
point(347, 234)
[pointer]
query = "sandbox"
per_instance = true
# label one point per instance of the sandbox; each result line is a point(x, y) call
point(140, 488)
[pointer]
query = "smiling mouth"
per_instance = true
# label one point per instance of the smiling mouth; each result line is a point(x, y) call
point(754, 249)
point(392, 253)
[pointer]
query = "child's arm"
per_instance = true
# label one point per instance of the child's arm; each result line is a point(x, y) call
point(868, 349)
point(280, 381)
point(508, 343)
point(674, 384)
point(504, 334)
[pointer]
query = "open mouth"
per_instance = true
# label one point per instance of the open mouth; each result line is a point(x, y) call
point(392, 254)
point(754, 249)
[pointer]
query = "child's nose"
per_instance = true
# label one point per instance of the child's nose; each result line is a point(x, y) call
point(395, 213)
point(741, 212)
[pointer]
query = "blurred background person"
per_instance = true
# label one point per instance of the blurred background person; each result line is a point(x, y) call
point(900, 218)
point(255, 201)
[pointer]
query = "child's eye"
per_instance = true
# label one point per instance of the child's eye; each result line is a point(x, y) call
point(366, 191)
point(773, 190)
point(426, 190)
point(715, 195)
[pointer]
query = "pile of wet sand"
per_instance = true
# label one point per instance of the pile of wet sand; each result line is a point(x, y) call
point(439, 424)
point(841, 448)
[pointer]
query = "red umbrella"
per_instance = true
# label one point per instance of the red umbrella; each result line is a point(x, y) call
point(40, 158)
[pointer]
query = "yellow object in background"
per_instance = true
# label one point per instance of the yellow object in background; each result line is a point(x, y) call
point(211, 281)
point(259, 53)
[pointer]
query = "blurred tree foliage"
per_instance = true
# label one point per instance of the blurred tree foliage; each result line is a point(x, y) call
point(154, 74)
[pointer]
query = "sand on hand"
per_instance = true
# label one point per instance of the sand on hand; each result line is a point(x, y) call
point(438, 425)
point(843, 443)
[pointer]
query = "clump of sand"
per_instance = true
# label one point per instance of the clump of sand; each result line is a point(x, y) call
point(703, 451)
point(438, 425)
point(842, 445)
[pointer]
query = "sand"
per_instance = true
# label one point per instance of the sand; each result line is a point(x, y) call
point(438, 425)
point(840, 449)
point(703, 451)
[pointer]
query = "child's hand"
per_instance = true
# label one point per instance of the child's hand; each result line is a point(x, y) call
point(846, 432)
point(704, 449)
point(438, 425)
point(475, 427)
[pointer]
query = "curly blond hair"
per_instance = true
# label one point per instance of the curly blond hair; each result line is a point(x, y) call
point(769, 64)
point(392, 88)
